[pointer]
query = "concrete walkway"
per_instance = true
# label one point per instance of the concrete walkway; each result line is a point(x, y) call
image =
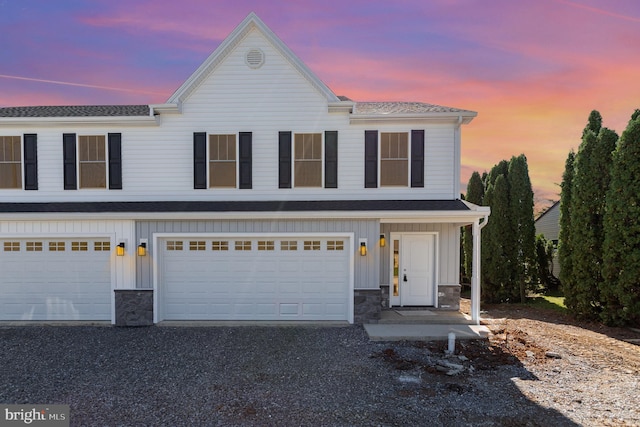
point(423, 332)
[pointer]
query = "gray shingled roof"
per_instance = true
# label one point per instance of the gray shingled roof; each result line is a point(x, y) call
point(372, 108)
point(76, 111)
point(240, 206)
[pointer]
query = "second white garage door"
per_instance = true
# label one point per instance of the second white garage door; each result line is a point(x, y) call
point(283, 277)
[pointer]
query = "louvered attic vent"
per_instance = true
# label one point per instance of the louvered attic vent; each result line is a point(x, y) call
point(254, 58)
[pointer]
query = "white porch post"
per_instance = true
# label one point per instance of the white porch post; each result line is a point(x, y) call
point(475, 274)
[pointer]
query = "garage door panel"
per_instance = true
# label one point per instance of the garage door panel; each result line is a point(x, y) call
point(269, 279)
point(45, 280)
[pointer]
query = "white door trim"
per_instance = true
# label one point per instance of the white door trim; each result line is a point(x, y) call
point(436, 264)
point(157, 303)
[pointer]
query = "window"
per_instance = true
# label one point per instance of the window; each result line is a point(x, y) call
point(174, 245)
point(312, 245)
point(308, 160)
point(394, 159)
point(335, 245)
point(266, 245)
point(10, 162)
point(34, 246)
point(219, 245)
point(222, 161)
point(243, 245)
point(56, 246)
point(197, 245)
point(11, 246)
point(79, 246)
point(289, 245)
point(101, 246)
point(92, 161)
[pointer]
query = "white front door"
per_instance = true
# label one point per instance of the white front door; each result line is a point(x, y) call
point(416, 273)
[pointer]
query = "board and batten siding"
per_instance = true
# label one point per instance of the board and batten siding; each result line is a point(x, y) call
point(365, 268)
point(157, 160)
point(448, 255)
point(123, 267)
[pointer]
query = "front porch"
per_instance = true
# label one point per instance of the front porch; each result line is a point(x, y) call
point(425, 324)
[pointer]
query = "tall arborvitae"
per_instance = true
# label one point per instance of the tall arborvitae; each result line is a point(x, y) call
point(588, 197)
point(497, 272)
point(564, 238)
point(621, 287)
point(475, 193)
point(523, 260)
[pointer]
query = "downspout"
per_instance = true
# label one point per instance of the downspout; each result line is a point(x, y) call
point(475, 279)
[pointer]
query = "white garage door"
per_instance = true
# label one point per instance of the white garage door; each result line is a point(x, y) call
point(55, 279)
point(255, 278)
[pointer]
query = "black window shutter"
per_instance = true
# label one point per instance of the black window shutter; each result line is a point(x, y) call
point(244, 148)
point(370, 159)
point(284, 160)
point(69, 163)
point(199, 160)
point(115, 161)
point(30, 141)
point(331, 159)
point(417, 158)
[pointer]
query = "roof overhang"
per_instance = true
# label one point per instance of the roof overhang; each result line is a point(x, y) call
point(436, 117)
point(40, 122)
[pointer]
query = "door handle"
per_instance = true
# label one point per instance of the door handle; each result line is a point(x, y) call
point(405, 278)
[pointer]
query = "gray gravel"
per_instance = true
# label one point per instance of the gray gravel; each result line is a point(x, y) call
point(280, 376)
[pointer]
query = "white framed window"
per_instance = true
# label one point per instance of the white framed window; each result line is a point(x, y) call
point(174, 245)
point(11, 246)
point(10, 162)
point(289, 245)
point(394, 159)
point(222, 161)
point(307, 160)
point(92, 161)
point(57, 246)
point(220, 245)
point(243, 245)
point(312, 245)
point(33, 246)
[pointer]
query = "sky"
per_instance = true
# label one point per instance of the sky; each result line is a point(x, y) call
point(532, 69)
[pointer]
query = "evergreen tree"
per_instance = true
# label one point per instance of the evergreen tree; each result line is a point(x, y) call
point(588, 197)
point(475, 194)
point(522, 224)
point(544, 261)
point(564, 238)
point(621, 290)
point(497, 272)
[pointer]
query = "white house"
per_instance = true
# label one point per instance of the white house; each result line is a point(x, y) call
point(253, 193)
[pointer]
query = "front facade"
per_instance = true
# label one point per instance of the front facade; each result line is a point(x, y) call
point(253, 193)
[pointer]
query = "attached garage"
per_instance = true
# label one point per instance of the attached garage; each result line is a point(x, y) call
point(55, 278)
point(254, 277)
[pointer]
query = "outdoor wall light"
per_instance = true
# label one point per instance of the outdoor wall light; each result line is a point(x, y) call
point(383, 241)
point(142, 249)
point(120, 249)
point(363, 248)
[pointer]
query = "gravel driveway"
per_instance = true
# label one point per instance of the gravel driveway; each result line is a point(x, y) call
point(284, 376)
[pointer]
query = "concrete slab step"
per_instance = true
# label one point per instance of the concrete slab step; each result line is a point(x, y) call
point(432, 332)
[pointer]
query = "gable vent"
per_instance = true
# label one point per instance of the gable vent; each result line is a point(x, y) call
point(254, 58)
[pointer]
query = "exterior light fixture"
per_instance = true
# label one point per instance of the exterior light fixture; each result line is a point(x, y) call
point(120, 249)
point(383, 241)
point(142, 249)
point(363, 248)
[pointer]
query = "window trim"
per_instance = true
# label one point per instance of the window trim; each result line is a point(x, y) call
point(105, 162)
point(408, 159)
point(321, 159)
point(21, 164)
point(235, 161)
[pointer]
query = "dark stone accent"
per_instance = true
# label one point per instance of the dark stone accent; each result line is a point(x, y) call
point(134, 307)
point(449, 297)
point(384, 296)
point(366, 306)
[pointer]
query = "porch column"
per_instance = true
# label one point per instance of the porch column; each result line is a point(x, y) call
point(475, 274)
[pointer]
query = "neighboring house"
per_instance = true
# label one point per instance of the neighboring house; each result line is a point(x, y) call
point(548, 224)
point(253, 193)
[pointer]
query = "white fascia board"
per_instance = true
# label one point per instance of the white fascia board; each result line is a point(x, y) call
point(382, 216)
point(455, 118)
point(341, 107)
point(165, 108)
point(31, 122)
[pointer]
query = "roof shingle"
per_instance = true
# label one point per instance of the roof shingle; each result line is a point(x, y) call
point(76, 111)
